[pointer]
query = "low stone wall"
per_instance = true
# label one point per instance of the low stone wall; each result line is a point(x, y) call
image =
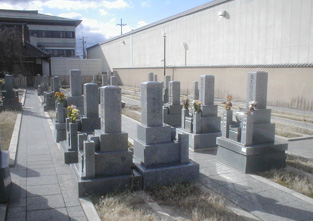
point(289, 87)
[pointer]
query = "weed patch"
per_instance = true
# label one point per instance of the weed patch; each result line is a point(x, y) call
point(7, 123)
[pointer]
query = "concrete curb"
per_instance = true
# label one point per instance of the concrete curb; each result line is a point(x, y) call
point(285, 189)
point(89, 209)
point(24, 97)
point(87, 205)
point(15, 140)
point(293, 139)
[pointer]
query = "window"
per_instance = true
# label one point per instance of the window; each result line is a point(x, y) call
point(52, 34)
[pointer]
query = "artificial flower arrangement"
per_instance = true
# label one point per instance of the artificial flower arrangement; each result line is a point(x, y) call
point(60, 96)
point(252, 105)
point(72, 113)
point(185, 103)
point(228, 104)
point(196, 106)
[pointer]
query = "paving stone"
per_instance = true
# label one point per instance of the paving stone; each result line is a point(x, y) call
point(45, 202)
point(59, 214)
point(266, 197)
point(39, 157)
point(42, 180)
point(16, 216)
point(43, 190)
point(40, 172)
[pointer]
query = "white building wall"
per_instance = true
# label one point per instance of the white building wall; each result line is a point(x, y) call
point(88, 67)
point(252, 32)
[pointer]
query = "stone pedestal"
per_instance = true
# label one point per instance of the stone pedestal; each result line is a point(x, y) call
point(250, 145)
point(251, 158)
point(104, 161)
point(158, 158)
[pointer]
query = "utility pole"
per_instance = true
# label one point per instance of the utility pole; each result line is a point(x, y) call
point(121, 26)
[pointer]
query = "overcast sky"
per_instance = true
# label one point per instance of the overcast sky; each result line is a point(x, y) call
point(100, 17)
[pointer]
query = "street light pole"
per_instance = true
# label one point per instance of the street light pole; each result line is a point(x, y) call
point(164, 36)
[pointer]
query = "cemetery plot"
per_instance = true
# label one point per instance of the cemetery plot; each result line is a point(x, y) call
point(181, 202)
point(298, 175)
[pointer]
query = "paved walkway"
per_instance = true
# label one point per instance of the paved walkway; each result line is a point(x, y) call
point(252, 193)
point(43, 186)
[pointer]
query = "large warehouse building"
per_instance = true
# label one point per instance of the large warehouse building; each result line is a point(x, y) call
point(225, 38)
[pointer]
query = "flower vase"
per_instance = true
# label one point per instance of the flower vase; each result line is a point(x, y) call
point(73, 136)
point(226, 121)
point(185, 113)
point(197, 123)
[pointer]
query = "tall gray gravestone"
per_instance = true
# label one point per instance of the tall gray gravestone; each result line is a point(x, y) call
point(105, 81)
point(76, 97)
point(59, 122)
point(38, 84)
point(158, 158)
point(173, 109)
point(8, 85)
point(251, 138)
point(203, 127)
point(150, 76)
point(49, 96)
point(45, 85)
point(105, 162)
point(113, 81)
point(5, 176)
point(10, 101)
point(194, 91)
point(90, 121)
point(37, 81)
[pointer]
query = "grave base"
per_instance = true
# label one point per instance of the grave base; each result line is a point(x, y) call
point(182, 173)
point(253, 158)
point(69, 156)
point(5, 177)
point(200, 142)
point(104, 185)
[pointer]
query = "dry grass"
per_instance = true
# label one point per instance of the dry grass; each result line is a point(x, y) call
point(189, 198)
point(7, 122)
point(290, 131)
point(52, 114)
point(131, 111)
point(132, 96)
point(123, 206)
point(300, 163)
point(293, 116)
point(291, 180)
